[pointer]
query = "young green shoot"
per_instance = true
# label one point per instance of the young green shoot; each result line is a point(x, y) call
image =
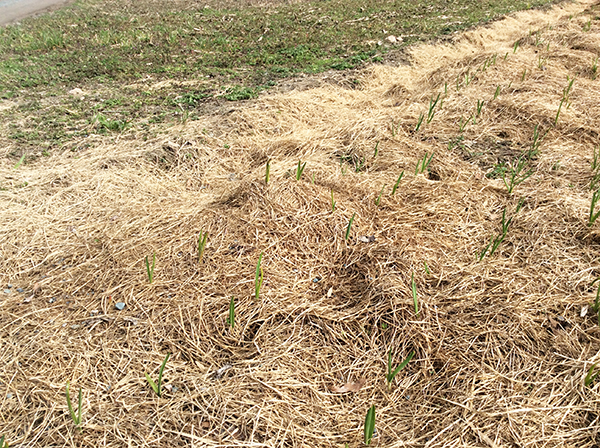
point(462, 124)
point(593, 214)
point(414, 294)
point(420, 122)
point(3, 444)
point(20, 162)
point(369, 425)
point(300, 169)
point(497, 92)
point(423, 163)
point(534, 149)
point(479, 107)
point(432, 104)
point(231, 318)
point(496, 241)
point(268, 171)
point(392, 373)
point(427, 271)
point(591, 376)
point(524, 74)
point(376, 150)
point(515, 47)
point(157, 387)
point(596, 304)
point(75, 417)
point(150, 268)
point(332, 202)
point(594, 68)
point(258, 277)
point(202, 239)
point(516, 173)
point(349, 227)
point(587, 26)
point(378, 200)
point(395, 187)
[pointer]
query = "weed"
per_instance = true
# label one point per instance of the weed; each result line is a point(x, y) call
point(332, 202)
point(587, 26)
point(392, 373)
point(150, 269)
point(497, 92)
point(75, 417)
point(157, 387)
point(111, 125)
point(300, 169)
point(397, 183)
point(423, 163)
point(432, 104)
point(238, 93)
point(202, 239)
point(414, 294)
point(267, 171)
point(479, 107)
point(516, 173)
point(378, 200)
point(258, 277)
point(231, 318)
point(419, 122)
point(445, 88)
point(505, 55)
point(594, 67)
point(591, 376)
point(558, 112)
point(349, 227)
point(594, 216)
point(369, 425)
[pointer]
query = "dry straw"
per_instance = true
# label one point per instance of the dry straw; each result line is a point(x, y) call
point(502, 346)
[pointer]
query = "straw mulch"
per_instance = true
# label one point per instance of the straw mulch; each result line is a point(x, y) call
point(502, 345)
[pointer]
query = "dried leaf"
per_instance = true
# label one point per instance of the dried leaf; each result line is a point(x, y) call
point(330, 292)
point(366, 239)
point(584, 310)
point(348, 387)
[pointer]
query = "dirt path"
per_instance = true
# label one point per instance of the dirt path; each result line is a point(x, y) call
point(13, 10)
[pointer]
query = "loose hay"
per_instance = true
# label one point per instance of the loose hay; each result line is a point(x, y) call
point(501, 345)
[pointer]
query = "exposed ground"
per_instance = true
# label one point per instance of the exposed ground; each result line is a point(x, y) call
point(502, 341)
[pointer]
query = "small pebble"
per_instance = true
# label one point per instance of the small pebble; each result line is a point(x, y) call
point(52, 300)
point(20, 289)
point(9, 395)
point(316, 279)
point(120, 306)
point(7, 291)
point(9, 286)
point(75, 327)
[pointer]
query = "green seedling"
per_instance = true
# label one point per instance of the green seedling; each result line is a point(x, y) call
point(587, 26)
point(462, 124)
point(596, 304)
point(395, 128)
point(157, 387)
point(423, 163)
point(360, 164)
point(494, 59)
point(534, 149)
point(150, 269)
point(567, 90)
point(376, 150)
point(378, 200)
point(312, 180)
point(395, 187)
point(231, 318)
point(349, 226)
point(467, 79)
point(420, 122)
point(426, 268)
point(202, 239)
point(497, 92)
point(591, 376)
point(516, 173)
point(414, 294)
point(75, 417)
point(594, 216)
point(369, 425)
point(496, 241)
point(258, 277)
point(594, 68)
point(523, 75)
point(3, 444)
point(432, 104)
point(445, 88)
point(20, 162)
point(268, 171)
point(300, 169)
point(595, 169)
point(505, 55)
point(515, 47)
point(479, 107)
point(332, 202)
point(392, 373)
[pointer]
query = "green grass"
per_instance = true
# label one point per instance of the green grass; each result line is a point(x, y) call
point(114, 52)
point(76, 417)
point(157, 387)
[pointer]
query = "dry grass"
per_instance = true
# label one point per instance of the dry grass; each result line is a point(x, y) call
point(501, 347)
